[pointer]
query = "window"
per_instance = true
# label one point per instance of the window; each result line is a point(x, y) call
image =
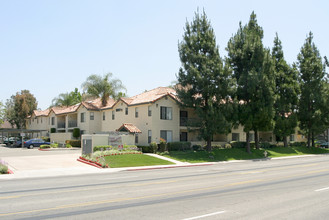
point(113, 115)
point(118, 109)
point(52, 120)
point(183, 118)
point(82, 117)
point(136, 112)
point(252, 137)
point(183, 136)
point(126, 111)
point(91, 116)
point(166, 135)
point(149, 111)
point(37, 120)
point(136, 138)
point(149, 140)
point(165, 113)
point(235, 137)
point(103, 116)
point(292, 137)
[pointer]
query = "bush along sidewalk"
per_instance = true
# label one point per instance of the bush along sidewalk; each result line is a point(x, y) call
point(4, 168)
point(98, 158)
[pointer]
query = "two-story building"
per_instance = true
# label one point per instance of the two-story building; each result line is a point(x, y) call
point(149, 116)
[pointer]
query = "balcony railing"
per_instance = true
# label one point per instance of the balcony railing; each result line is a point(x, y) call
point(188, 122)
point(73, 124)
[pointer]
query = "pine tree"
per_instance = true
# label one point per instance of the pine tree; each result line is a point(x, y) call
point(312, 111)
point(286, 90)
point(204, 83)
point(253, 70)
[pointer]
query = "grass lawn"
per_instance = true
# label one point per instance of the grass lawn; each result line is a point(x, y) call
point(240, 154)
point(134, 160)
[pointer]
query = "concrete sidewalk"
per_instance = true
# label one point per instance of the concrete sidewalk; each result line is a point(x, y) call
point(67, 165)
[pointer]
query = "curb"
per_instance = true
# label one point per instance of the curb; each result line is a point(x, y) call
point(89, 163)
point(172, 166)
point(43, 149)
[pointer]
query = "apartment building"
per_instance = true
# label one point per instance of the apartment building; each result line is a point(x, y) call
point(149, 116)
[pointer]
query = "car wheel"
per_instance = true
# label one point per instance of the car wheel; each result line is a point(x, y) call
point(31, 146)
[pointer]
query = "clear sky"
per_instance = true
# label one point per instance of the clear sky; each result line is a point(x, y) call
point(51, 47)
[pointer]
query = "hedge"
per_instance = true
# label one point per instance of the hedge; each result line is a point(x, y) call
point(74, 143)
point(146, 149)
point(179, 146)
point(102, 148)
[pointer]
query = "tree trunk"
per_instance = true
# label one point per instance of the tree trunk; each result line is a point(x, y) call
point(248, 143)
point(312, 139)
point(209, 144)
point(308, 139)
point(285, 141)
point(256, 140)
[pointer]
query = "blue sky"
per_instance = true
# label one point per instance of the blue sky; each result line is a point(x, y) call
point(51, 47)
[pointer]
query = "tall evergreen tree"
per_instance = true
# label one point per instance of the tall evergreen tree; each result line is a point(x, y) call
point(204, 83)
point(286, 90)
point(254, 72)
point(312, 111)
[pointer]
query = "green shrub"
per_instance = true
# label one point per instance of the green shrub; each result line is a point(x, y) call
point(265, 145)
point(3, 167)
point(52, 130)
point(197, 147)
point(154, 147)
point(54, 145)
point(238, 144)
point(102, 148)
point(227, 146)
point(44, 146)
point(46, 139)
point(76, 133)
point(180, 146)
point(146, 149)
point(297, 144)
point(163, 146)
point(74, 143)
point(68, 146)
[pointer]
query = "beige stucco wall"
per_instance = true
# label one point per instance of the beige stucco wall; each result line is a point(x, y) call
point(143, 122)
point(60, 137)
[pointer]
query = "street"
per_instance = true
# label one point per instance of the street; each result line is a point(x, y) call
point(295, 188)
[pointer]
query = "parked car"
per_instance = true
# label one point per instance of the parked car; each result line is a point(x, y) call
point(34, 143)
point(18, 144)
point(10, 141)
point(324, 144)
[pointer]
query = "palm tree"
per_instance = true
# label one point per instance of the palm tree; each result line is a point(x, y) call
point(63, 99)
point(103, 87)
point(67, 99)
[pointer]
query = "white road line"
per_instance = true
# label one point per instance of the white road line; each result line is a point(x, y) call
point(203, 216)
point(115, 178)
point(318, 190)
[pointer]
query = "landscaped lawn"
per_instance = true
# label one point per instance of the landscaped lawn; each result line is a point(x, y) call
point(240, 154)
point(134, 160)
point(293, 151)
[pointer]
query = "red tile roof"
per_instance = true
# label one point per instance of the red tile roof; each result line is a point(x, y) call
point(151, 96)
point(96, 104)
point(129, 127)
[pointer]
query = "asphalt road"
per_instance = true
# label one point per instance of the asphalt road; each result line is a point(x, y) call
point(273, 189)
